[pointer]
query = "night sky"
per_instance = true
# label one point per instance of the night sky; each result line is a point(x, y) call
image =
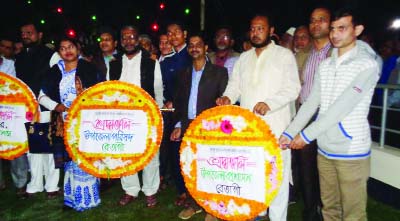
point(235, 13)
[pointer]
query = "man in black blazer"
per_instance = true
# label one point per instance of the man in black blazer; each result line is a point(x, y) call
point(108, 46)
point(197, 88)
point(31, 66)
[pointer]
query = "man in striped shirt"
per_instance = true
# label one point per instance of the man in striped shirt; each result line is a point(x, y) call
point(306, 159)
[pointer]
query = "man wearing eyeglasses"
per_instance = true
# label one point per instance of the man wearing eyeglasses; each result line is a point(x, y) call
point(136, 67)
point(224, 56)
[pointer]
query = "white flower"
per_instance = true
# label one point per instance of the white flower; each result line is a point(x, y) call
point(267, 156)
point(5, 147)
point(153, 133)
point(110, 163)
point(6, 90)
point(117, 96)
point(187, 158)
point(70, 130)
point(238, 123)
point(233, 208)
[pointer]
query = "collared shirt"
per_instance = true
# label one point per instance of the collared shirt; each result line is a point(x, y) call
point(131, 74)
point(272, 78)
point(107, 60)
point(313, 61)
point(184, 47)
point(7, 66)
point(170, 68)
point(162, 57)
point(220, 61)
point(131, 69)
point(227, 61)
point(196, 76)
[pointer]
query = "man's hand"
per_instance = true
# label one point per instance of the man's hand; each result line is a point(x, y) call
point(224, 100)
point(176, 134)
point(168, 105)
point(297, 143)
point(60, 108)
point(261, 108)
point(284, 142)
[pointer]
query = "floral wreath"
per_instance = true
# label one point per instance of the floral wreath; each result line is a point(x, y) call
point(230, 126)
point(113, 95)
point(15, 92)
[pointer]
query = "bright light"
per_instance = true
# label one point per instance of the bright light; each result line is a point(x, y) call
point(94, 17)
point(154, 27)
point(29, 2)
point(42, 21)
point(187, 11)
point(396, 23)
point(71, 33)
point(162, 6)
point(59, 10)
point(98, 39)
point(137, 17)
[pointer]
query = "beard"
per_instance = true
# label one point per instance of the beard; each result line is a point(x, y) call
point(133, 51)
point(222, 47)
point(29, 44)
point(262, 44)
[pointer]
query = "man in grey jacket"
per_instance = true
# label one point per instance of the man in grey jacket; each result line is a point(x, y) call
point(343, 88)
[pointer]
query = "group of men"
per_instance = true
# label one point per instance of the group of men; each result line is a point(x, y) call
point(331, 81)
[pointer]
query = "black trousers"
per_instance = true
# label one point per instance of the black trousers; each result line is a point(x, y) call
point(306, 180)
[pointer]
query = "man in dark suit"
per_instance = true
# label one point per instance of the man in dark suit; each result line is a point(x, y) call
point(198, 86)
point(108, 46)
point(31, 66)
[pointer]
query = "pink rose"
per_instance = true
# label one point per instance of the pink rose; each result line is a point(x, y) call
point(226, 127)
point(29, 116)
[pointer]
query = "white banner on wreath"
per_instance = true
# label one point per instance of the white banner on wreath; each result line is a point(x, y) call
point(231, 170)
point(113, 131)
point(12, 119)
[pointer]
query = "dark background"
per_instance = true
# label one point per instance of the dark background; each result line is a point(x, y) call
point(76, 15)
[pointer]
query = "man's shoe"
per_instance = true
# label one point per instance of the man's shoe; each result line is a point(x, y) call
point(21, 191)
point(188, 212)
point(125, 199)
point(52, 195)
point(26, 195)
point(151, 201)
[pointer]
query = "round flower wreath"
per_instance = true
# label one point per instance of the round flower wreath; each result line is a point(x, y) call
point(113, 95)
point(15, 92)
point(230, 126)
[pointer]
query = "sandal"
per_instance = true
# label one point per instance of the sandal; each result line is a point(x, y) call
point(181, 200)
point(151, 201)
point(125, 199)
point(188, 213)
